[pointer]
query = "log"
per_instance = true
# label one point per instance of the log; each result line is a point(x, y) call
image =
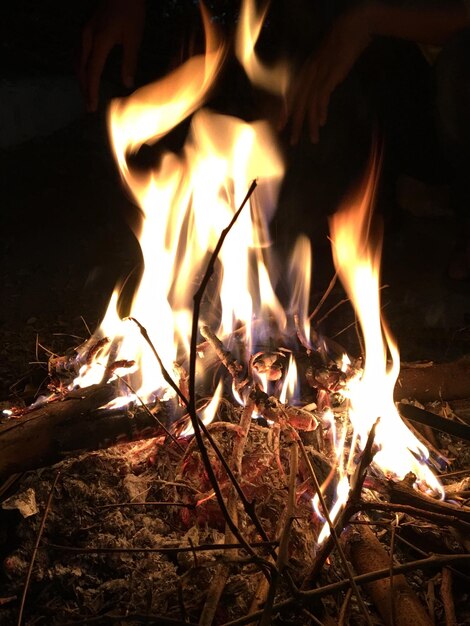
point(64, 428)
point(368, 555)
point(426, 383)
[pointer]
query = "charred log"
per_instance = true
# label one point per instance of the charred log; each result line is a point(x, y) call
point(63, 428)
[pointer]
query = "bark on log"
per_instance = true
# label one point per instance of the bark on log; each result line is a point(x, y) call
point(449, 381)
point(368, 555)
point(67, 427)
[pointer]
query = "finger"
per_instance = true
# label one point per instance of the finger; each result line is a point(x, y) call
point(302, 102)
point(322, 106)
point(101, 48)
point(319, 103)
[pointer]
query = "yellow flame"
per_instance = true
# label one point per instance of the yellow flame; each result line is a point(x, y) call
point(187, 199)
point(207, 413)
point(274, 79)
point(300, 275)
point(290, 384)
point(357, 262)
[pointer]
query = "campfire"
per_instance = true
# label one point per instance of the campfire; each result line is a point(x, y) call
point(265, 453)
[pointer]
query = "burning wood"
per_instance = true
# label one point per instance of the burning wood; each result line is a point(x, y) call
point(256, 470)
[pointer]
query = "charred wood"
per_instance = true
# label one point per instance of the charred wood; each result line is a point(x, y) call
point(63, 428)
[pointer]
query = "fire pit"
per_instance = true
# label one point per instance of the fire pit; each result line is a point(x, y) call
point(265, 453)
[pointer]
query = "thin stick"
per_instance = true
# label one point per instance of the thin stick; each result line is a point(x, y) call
point(196, 423)
point(329, 289)
point(334, 534)
point(354, 497)
point(222, 571)
point(119, 505)
point(436, 518)
point(164, 549)
point(360, 472)
point(312, 617)
point(145, 407)
point(247, 505)
point(393, 608)
point(432, 561)
point(333, 308)
point(283, 552)
point(232, 365)
point(166, 375)
point(141, 618)
point(342, 619)
point(36, 547)
point(447, 599)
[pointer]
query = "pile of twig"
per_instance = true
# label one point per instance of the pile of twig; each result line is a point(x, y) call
point(222, 526)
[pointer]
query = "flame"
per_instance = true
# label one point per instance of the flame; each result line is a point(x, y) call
point(208, 412)
point(274, 79)
point(300, 276)
point(357, 262)
point(290, 385)
point(186, 200)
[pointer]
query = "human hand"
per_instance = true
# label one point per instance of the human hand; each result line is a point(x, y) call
point(324, 70)
point(116, 22)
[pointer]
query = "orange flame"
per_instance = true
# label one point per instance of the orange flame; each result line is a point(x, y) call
point(357, 262)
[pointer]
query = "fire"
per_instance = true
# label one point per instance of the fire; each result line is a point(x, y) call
point(357, 262)
point(186, 200)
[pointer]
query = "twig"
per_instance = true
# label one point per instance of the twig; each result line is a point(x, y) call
point(431, 599)
point(164, 549)
point(342, 619)
point(360, 472)
point(393, 612)
point(447, 599)
point(196, 423)
point(36, 547)
point(283, 552)
point(426, 554)
point(223, 569)
point(247, 505)
point(329, 289)
point(334, 534)
point(432, 561)
point(333, 308)
point(146, 618)
point(145, 407)
point(119, 505)
point(233, 366)
point(403, 493)
point(165, 373)
point(436, 518)
point(312, 617)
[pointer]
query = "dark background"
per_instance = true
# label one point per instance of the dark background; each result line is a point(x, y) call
point(65, 219)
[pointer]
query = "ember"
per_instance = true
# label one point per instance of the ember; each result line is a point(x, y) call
point(237, 503)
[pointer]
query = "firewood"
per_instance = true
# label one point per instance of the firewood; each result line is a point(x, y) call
point(403, 493)
point(449, 381)
point(62, 428)
point(397, 598)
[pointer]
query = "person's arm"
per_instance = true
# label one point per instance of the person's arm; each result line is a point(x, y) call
point(116, 22)
point(350, 34)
